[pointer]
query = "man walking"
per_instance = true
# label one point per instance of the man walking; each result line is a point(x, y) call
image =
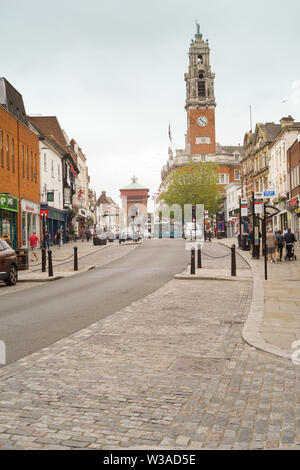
point(289, 239)
point(33, 240)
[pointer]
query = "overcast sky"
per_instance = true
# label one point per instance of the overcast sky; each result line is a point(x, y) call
point(112, 72)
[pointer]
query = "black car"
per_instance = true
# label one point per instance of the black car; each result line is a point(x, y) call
point(8, 264)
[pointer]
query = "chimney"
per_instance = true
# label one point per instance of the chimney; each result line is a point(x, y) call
point(286, 121)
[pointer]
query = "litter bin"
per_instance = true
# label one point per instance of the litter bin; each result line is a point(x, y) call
point(22, 257)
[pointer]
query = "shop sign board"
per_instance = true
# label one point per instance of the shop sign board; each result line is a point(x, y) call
point(8, 202)
point(258, 203)
point(244, 207)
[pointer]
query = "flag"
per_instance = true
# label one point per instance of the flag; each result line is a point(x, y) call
point(170, 137)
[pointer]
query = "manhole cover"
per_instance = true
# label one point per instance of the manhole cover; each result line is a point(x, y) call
point(198, 365)
point(103, 339)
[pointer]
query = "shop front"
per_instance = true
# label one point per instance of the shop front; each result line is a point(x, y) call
point(56, 220)
point(30, 220)
point(294, 213)
point(8, 218)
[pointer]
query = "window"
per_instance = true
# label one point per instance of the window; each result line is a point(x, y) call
point(7, 152)
point(35, 167)
point(52, 169)
point(23, 161)
point(45, 163)
point(13, 155)
point(223, 178)
point(58, 171)
point(31, 165)
point(201, 88)
point(1, 148)
point(27, 164)
point(237, 175)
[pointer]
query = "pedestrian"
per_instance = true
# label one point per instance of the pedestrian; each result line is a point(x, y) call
point(67, 235)
point(289, 239)
point(81, 234)
point(7, 239)
point(280, 243)
point(58, 238)
point(271, 244)
point(33, 241)
point(75, 233)
point(88, 234)
point(46, 238)
point(209, 234)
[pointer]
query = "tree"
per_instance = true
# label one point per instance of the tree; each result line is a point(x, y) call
point(194, 184)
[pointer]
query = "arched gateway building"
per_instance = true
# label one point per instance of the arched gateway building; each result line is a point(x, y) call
point(135, 194)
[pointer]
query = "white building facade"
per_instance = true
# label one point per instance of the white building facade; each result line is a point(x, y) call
point(233, 194)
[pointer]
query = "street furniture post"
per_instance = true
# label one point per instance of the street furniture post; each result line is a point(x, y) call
point(233, 261)
point(199, 257)
point(264, 234)
point(43, 260)
point(75, 259)
point(50, 266)
point(193, 261)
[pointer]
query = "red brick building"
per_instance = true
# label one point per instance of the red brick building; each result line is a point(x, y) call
point(135, 194)
point(19, 168)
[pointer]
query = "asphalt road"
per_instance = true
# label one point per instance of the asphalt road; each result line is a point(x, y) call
point(34, 318)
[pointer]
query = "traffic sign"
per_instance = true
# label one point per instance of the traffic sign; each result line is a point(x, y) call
point(269, 193)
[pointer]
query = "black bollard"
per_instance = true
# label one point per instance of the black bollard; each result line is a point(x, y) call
point(199, 257)
point(193, 261)
point(43, 260)
point(75, 259)
point(233, 261)
point(50, 267)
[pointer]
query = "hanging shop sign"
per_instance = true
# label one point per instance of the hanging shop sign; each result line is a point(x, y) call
point(244, 207)
point(8, 202)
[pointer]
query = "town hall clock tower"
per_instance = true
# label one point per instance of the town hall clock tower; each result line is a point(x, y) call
point(200, 99)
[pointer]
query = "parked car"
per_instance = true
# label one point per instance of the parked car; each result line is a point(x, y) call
point(189, 231)
point(111, 235)
point(8, 264)
point(100, 237)
point(129, 234)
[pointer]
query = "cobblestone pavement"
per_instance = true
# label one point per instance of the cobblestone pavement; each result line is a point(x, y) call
point(170, 370)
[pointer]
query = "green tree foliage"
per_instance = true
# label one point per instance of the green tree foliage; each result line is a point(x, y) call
point(195, 183)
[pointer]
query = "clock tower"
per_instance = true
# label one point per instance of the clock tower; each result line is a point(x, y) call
point(200, 99)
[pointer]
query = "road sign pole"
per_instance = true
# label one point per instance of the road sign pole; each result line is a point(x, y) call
point(265, 243)
point(253, 226)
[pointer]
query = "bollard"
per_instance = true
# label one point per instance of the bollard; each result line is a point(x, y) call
point(50, 267)
point(193, 261)
point(43, 260)
point(233, 261)
point(75, 259)
point(199, 257)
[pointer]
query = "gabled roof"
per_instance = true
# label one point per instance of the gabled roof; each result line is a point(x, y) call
point(104, 199)
point(268, 131)
point(50, 127)
point(12, 101)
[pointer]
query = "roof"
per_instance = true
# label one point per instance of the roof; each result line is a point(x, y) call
point(12, 101)
point(134, 185)
point(49, 126)
point(233, 148)
point(104, 199)
point(269, 130)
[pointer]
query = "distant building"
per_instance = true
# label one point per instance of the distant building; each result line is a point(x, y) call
point(135, 195)
point(107, 212)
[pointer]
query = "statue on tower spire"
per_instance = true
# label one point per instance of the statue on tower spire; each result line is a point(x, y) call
point(198, 27)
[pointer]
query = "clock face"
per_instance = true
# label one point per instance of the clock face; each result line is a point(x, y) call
point(202, 121)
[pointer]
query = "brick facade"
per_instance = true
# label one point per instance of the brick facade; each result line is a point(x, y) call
point(19, 167)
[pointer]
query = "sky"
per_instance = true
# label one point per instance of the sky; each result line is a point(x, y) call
point(113, 73)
